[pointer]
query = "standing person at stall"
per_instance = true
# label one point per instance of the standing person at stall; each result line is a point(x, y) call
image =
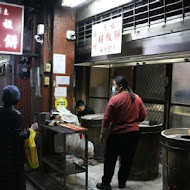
point(83, 109)
point(12, 137)
point(121, 118)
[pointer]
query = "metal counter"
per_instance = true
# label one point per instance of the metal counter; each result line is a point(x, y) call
point(51, 160)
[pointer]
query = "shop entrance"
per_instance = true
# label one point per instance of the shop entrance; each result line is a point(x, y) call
point(150, 82)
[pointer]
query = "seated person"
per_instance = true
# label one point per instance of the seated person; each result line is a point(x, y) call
point(83, 109)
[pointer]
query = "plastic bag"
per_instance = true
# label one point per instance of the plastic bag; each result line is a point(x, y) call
point(75, 144)
point(72, 142)
point(79, 150)
point(31, 151)
point(90, 149)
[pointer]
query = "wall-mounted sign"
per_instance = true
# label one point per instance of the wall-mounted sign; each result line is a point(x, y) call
point(107, 37)
point(61, 103)
point(11, 28)
point(59, 63)
point(60, 92)
point(62, 80)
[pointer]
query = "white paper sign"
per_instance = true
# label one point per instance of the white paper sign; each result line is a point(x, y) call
point(64, 80)
point(59, 63)
point(60, 92)
point(107, 37)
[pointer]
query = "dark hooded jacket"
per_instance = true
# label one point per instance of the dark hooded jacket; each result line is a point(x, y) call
point(12, 138)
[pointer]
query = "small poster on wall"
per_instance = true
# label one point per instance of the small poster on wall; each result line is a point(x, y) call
point(62, 80)
point(59, 63)
point(60, 92)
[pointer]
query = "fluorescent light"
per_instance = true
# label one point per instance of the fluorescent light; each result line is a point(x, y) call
point(66, 3)
point(73, 3)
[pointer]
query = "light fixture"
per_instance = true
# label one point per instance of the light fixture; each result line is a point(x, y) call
point(74, 3)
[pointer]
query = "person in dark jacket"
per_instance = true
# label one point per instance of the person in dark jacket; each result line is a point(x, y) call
point(121, 118)
point(83, 109)
point(12, 136)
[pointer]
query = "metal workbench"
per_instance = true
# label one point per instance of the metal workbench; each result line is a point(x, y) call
point(51, 160)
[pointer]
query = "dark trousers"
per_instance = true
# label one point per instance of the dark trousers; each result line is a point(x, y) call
point(123, 145)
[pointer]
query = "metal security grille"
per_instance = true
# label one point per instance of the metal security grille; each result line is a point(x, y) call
point(155, 112)
point(150, 86)
point(140, 13)
point(150, 82)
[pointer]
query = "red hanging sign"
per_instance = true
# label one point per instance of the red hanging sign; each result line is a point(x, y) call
point(11, 28)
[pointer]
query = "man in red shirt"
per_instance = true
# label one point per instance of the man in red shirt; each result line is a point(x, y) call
point(124, 112)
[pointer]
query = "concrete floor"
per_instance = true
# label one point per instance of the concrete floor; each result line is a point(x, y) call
point(77, 182)
point(96, 172)
point(29, 186)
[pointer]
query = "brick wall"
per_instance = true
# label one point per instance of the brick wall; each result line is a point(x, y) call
point(64, 19)
point(57, 22)
point(46, 90)
point(24, 105)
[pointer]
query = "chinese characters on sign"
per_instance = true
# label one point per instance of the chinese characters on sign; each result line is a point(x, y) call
point(59, 63)
point(107, 37)
point(11, 28)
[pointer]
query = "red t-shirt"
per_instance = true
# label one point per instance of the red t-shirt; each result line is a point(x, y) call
point(123, 116)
